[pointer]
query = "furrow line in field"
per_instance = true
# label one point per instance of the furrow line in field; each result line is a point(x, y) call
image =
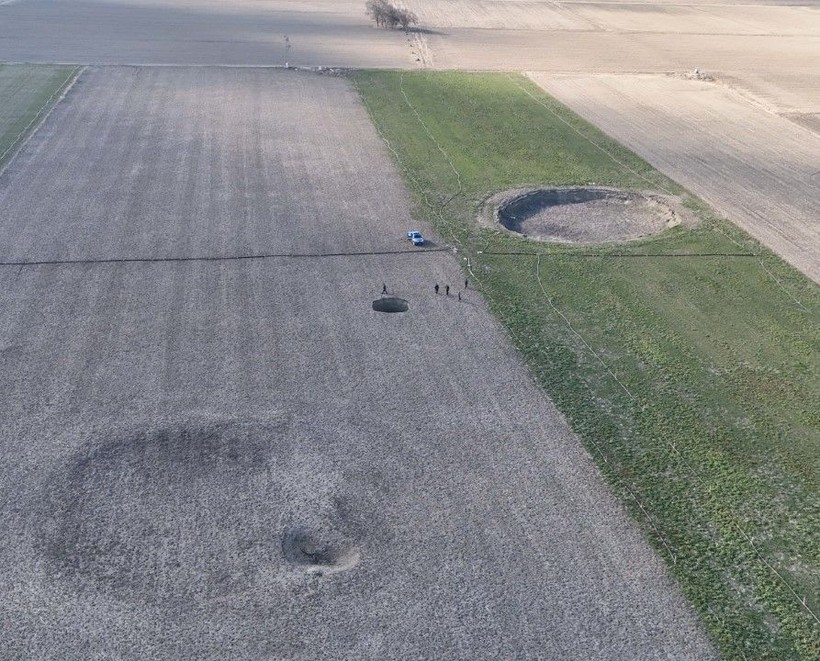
point(609, 155)
point(216, 258)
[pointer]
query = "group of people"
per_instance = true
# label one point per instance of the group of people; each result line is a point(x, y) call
point(447, 288)
point(436, 288)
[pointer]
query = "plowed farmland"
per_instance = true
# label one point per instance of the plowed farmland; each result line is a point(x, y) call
point(687, 362)
point(211, 453)
point(242, 417)
point(756, 168)
point(240, 32)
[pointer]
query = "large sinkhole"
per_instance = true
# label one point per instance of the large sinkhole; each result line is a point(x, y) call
point(390, 304)
point(584, 214)
point(197, 507)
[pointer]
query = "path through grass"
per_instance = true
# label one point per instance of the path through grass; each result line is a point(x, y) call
point(693, 381)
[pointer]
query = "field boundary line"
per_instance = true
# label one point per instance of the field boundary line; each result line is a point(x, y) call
point(392, 150)
point(25, 135)
point(781, 285)
point(588, 139)
point(771, 275)
point(430, 135)
point(619, 254)
point(638, 174)
point(217, 258)
point(575, 332)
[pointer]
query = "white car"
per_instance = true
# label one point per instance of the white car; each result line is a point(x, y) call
point(415, 237)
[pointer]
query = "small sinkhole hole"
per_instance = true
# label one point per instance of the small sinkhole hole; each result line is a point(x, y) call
point(390, 304)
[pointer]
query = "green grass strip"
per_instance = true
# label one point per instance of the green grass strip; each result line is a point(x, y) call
point(27, 94)
point(694, 382)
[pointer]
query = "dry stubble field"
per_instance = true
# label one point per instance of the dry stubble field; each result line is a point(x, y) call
point(174, 340)
point(754, 167)
point(240, 32)
point(238, 458)
point(764, 50)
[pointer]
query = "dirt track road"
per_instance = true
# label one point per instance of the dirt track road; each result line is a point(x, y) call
point(754, 167)
point(240, 458)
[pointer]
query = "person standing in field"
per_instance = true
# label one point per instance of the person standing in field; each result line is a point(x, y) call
point(436, 288)
point(447, 289)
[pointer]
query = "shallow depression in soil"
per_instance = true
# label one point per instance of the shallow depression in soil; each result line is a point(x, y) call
point(321, 551)
point(196, 508)
point(584, 215)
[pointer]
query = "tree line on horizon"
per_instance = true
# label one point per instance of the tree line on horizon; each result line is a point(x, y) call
point(387, 15)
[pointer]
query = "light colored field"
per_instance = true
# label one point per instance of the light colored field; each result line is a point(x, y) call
point(754, 167)
point(778, 68)
point(667, 18)
point(766, 50)
point(496, 15)
point(171, 427)
point(706, 19)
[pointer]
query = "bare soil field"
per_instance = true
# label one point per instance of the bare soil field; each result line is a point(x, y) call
point(240, 458)
point(765, 50)
point(666, 17)
point(244, 32)
point(231, 183)
point(756, 63)
point(769, 48)
point(754, 167)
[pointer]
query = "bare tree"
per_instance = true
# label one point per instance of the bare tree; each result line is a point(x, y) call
point(387, 15)
point(407, 18)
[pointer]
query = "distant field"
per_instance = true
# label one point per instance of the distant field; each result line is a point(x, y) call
point(694, 381)
point(719, 146)
point(27, 92)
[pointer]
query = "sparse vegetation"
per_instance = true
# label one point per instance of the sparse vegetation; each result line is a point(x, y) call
point(387, 15)
point(27, 91)
point(693, 381)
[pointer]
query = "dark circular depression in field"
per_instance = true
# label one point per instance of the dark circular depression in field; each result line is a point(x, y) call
point(195, 509)
point(390, 304)
point(584, 215)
